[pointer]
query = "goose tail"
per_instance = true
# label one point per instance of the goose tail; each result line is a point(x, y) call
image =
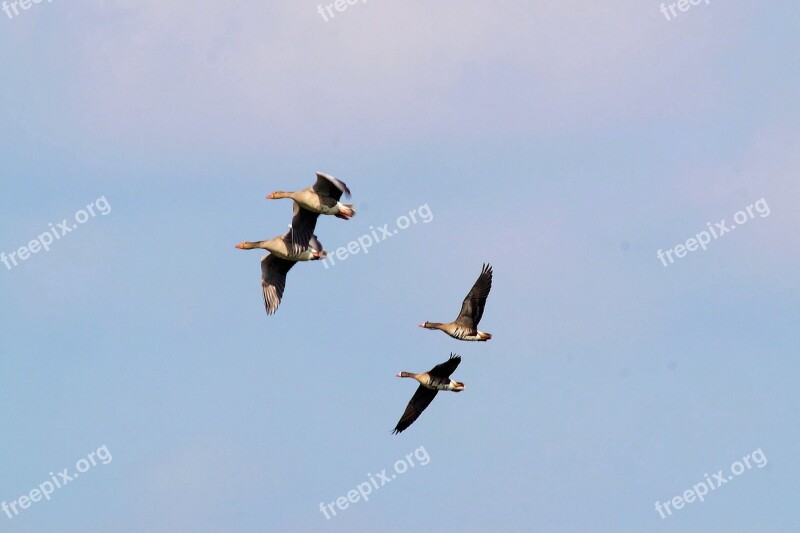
point(346, 211)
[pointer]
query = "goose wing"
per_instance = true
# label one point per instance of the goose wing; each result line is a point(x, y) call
point(301, 231)
point(329, 186)
point(443, 370)
point(474, 303)
point(273, 280)
point(419, 402)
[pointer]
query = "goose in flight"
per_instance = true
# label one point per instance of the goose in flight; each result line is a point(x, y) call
point(298, 244)
point(430, 383)
point(321, 198)
point(465, 327)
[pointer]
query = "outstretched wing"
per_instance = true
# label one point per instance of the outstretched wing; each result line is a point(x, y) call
point(474, 303)
point(329, 186)
point(273, 280)
point(301, 231)
point(443, 370)
point(419, 402)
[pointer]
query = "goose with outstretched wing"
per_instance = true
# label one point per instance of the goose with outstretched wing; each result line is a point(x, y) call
point(430, 383)
point(465, 327)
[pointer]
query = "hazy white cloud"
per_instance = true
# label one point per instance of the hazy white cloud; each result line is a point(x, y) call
point(277, 72)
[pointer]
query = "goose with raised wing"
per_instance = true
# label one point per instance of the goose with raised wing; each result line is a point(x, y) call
point(430, 383)
point(321, 198)
point(465, 327)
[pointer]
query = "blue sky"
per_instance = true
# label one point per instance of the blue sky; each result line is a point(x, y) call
point(565, 144)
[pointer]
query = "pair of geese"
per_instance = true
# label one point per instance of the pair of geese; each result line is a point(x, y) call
point(463, 328)
point(300, 244)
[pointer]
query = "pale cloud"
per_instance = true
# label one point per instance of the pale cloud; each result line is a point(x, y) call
point(200, 72)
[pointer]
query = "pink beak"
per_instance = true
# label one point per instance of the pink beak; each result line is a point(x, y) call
point(240, 246)
point(398, 375)
point(422, 325)
point(269, 196)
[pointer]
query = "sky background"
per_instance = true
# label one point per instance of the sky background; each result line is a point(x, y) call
point(565, 143)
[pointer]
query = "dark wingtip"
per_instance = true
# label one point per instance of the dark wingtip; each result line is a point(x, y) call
point(336, 182)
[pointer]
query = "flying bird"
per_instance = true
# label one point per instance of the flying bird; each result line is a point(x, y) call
point(465, 327)
point(430, 383)
point(322, 198)
point(298, 244)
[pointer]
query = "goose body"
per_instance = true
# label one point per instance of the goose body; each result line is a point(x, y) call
point(465, 327)
point(283, 248)
point(321, 198)
point(430, 383)
point(434, 383)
